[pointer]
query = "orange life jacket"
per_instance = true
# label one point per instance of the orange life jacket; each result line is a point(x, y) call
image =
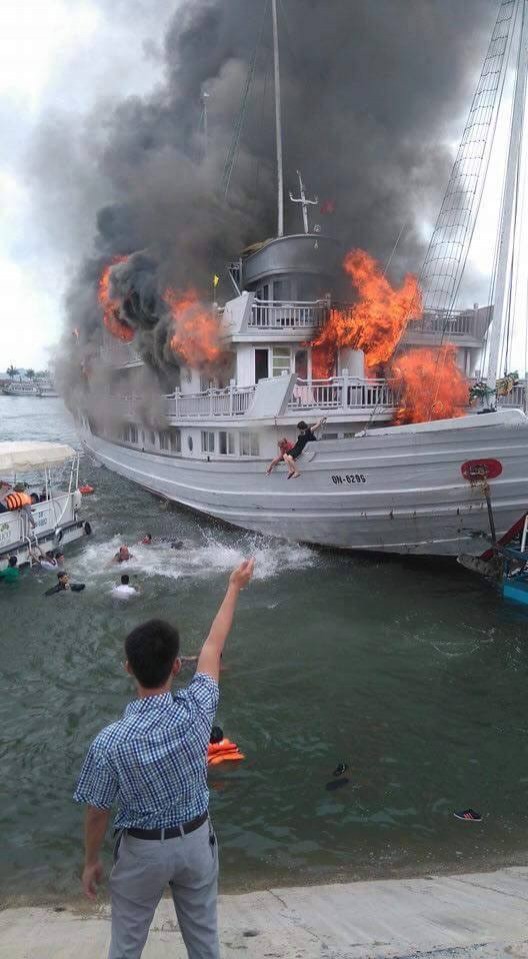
point(224, 751)
point(17, 500)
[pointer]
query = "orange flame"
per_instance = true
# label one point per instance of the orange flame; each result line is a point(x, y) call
point(429, 384)
point(376, 323)
point(196, 336)
point(111, 315)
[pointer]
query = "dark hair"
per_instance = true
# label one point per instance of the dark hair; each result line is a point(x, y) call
point(125, 579)
point(34, 497)
point(61, 574)
point(217, 734)
point(151, 650)
point(13, 561)
point(302, 425)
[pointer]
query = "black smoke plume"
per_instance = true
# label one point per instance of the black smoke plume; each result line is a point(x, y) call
point(372, 93)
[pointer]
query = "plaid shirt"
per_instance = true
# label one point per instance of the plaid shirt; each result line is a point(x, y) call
point(153, 761)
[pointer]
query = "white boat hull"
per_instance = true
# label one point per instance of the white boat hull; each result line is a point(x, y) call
point(397, 490)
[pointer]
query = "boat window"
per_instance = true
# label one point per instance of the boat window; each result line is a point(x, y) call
point(249, 444)
point(226, 443)
point(152, 438)
point(208, 443)
point(133, 433)
point(301, 364)
point(175, 441)
point(281, 290)
point(281, 360)
point(261, 365)
point(329, 436)
point(190, 443)
point(164, 439)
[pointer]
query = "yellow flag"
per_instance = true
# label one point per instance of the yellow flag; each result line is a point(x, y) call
point(216, 280)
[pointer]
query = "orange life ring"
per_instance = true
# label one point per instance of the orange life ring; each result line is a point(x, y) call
point(224, 751)
point(86, 490)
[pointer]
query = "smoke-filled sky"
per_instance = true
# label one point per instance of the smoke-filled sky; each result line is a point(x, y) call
point(104, 154)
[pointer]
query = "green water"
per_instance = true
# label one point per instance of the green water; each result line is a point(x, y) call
point(414, 675)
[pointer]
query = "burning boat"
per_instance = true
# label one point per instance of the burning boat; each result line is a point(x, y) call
point(311, 331)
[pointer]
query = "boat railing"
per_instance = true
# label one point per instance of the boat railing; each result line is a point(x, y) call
point(342, 393)
point(287, 315)
point(229, 401)
point(446, 323)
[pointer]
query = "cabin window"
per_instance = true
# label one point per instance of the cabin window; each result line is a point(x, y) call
point(208, 442)
point(329, 436)
point(175, 441)
point(152, 438)
point(301, 364)
point(281, 360)
point(164, 439)
point(261, 365)
point(249, 444)
point(226, 443)
point(133, 433)
point(190, 443)
point(281, 290)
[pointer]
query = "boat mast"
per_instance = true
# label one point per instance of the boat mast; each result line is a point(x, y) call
point(304, 201)
point(502, 304)
point(278, 124)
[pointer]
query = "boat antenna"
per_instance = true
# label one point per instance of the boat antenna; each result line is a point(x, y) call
point(205, 97)
point(278, 123)
point(510, 192)
point(304, 200)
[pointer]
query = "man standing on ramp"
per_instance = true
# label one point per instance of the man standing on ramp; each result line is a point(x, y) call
point(153, 763)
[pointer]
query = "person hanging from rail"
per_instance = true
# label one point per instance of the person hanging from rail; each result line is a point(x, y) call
point(285, 446)
point(306, 435)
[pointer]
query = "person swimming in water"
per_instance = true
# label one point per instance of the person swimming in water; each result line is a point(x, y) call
point(147, 540)
point(63, 584)
point(124, 590)
point(123, 555)
point(306, 435)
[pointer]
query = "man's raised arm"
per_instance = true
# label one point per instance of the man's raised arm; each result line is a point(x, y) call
point(209, 658)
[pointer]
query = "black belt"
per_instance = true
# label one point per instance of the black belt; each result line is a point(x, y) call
point(171, 832)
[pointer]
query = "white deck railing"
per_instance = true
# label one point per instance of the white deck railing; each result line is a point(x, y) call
point(285, 315)
point(231, 401)
point(471, 323)
point(342, 393)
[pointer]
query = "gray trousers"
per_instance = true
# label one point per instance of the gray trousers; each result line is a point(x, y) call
point(143, 868)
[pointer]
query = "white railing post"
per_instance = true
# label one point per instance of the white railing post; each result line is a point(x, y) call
point(231, 396)
point(344, 399)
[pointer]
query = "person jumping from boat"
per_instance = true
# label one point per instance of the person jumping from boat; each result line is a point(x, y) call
point(285, 446)
point(306, 435)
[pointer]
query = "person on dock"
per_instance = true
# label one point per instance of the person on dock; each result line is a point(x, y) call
point(152, 761)
point(285, 446)
point(11, 573)
point(124, 590)
point(306, 435)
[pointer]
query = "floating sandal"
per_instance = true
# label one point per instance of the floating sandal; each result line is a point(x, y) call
point(468, 815)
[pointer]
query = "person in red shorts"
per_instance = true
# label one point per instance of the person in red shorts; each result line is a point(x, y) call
point(284, 447)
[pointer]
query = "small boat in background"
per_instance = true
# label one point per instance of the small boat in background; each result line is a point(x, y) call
point(53, 520)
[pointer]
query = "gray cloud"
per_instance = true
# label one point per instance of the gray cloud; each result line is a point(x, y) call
point(370, 94)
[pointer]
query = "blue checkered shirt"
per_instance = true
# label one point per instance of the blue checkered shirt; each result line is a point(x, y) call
point(153, 761)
